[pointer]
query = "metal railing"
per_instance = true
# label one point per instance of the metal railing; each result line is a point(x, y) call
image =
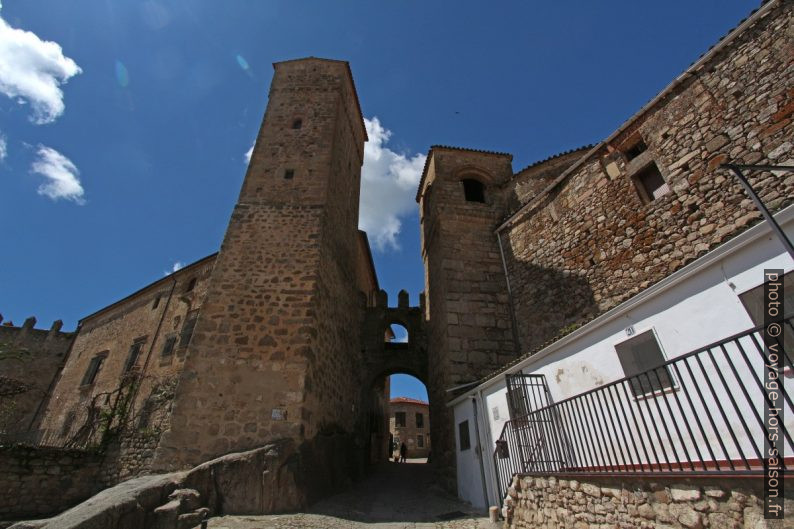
point(703, 412)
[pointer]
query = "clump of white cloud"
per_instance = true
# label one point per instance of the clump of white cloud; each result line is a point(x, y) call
point(177, 266)
point(62, 177)
point(248, 154)
point(3, 147)
point(388, 187)
point(32, 70)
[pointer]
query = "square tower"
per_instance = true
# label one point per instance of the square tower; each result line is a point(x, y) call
point(272, 355)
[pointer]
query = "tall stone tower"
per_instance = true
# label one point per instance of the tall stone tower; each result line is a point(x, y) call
point(461, 201)
point(276, 348)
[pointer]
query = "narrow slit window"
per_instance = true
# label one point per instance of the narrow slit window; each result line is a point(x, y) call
point(297, 123)
point(473, 190)
point(156, 302)
point(289, 174)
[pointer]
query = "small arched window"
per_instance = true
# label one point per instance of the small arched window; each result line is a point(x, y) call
point(191, 285)
point(297, 123)
point(473, 190)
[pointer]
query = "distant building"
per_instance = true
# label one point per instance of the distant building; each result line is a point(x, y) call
point(409, 423)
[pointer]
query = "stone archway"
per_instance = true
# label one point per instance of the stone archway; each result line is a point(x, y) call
point(383, 358)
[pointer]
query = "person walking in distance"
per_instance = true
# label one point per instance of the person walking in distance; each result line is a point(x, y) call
point(403, 451)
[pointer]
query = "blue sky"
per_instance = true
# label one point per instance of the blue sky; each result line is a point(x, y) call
point(124, 124)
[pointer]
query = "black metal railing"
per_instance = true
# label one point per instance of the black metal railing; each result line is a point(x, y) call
point(703, 412)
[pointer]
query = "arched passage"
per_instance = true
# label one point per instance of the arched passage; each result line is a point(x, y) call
point(398, 413)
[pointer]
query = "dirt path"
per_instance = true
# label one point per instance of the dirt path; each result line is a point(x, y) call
point(393, 496)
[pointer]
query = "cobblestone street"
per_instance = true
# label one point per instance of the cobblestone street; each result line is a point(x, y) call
point(394, 496)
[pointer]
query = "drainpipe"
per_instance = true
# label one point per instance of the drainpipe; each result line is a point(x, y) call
point(154, 339)
point(479, 449)
point(513, 321)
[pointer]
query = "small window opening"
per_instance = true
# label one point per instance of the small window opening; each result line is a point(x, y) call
point(298, 123)
point(635, 150)
point(420, 420)
point(93, 369)
point(650, 183)
point(187, 328)
point(637, 356)
point(420, 441)
point(289, 174)
point(396, 333)
point(191, 285)
point(473, 190)
point(168, 346)
point(135, 352)
point(156, 302)
point(399, 419)
point(463, 436)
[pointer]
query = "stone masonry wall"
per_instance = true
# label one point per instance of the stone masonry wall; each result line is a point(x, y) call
point(29, 362)
point(593, 242)
point(469, 326)
point(544, 502)
point(276, 344)
point(37, 482)
point(157, 313)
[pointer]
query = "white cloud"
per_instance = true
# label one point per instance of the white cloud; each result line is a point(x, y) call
point(248, 153)
point(62, 176)
point(3, 147)
point(175, 268)
point(32, 70)
point(388, 187)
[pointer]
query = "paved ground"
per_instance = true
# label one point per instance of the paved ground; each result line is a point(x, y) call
point(394, 496)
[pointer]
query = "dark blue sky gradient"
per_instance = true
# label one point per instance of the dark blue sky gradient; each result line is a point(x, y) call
point(172, 94)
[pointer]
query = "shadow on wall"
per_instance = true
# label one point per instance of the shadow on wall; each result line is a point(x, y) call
point(548, 302)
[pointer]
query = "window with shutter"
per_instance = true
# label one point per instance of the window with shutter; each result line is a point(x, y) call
point(639, 356)
point(187, 328)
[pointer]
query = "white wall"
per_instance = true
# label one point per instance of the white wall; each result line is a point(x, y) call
point(700, 306)
point(470, 487)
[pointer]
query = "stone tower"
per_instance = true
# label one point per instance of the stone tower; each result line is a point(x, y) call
point(273, 355)
point(467, 306)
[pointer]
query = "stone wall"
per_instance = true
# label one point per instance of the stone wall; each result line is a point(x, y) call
point(156, 314)
point(467, 308)
point(541, 502)
point(29, 362)
point(37, 482)
point(594, 242)
point(276, 350)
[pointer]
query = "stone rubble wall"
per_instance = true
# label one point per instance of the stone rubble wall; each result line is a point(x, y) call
point(629, 503)
point(592, 242)
point(29, 362)
point(38, 482)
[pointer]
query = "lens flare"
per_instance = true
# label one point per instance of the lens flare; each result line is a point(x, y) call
point(122, 75)
point(242, 62)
